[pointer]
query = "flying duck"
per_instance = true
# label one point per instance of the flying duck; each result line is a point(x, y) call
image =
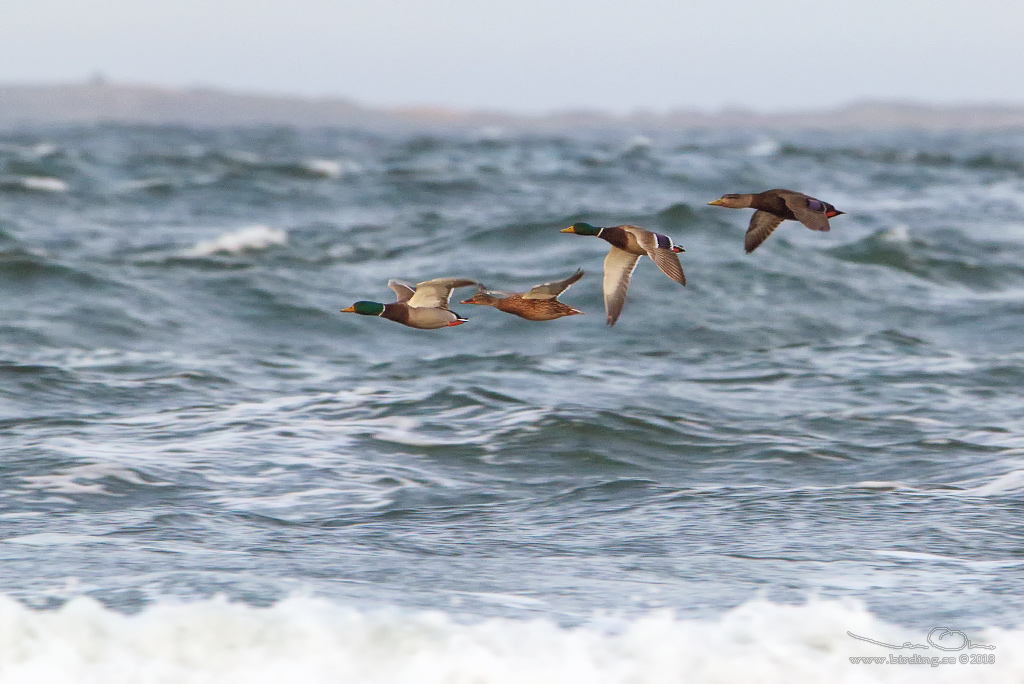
point(540, 303)
point(629, 243)
point(774, 207)
point(424, 307)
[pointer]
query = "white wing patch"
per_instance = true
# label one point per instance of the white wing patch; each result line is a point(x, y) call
point(618, 269)
point(434, 294)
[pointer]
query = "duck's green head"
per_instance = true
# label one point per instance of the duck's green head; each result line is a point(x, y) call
point(582, 229)
point(365, 308)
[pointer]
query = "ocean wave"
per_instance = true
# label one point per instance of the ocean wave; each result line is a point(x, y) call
point(764, 147)
point(34, 184)
point(178, 383)
point(30, 151)
point(313, 168)
point(1007, 484)
point(253, 238)
point(314, 640)
point(156, 185)
point(244, 156)
point(927, 257)
point(95, 478)
point(330, 168)
point(985, 161)
point(23, 265)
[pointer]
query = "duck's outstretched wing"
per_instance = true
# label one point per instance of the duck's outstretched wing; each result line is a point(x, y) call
point(762, 224)
point(404, 292)
point(434, 294)
point(660, 248)
point(811, 212)
point(618, 269)
point(552, 290)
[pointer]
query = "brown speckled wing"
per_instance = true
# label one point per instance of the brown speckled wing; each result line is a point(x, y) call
point(404, 292)
point(436, 293)
point(552, 290)
point(618, 269)
point(808, 211)
point(761, 226)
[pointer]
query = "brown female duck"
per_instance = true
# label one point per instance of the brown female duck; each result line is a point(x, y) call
point(774, 207)
point(540, 303)
point(424, 307)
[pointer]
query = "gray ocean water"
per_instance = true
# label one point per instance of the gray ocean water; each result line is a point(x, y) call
point(184, 412)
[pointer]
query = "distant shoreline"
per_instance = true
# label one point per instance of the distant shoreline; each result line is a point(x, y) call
point(98, 101)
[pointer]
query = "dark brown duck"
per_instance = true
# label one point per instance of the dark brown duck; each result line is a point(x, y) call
point(774, 207)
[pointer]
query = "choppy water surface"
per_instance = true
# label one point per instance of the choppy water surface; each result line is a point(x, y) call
point(184, 413)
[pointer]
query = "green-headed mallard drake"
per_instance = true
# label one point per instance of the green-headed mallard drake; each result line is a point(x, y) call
point(540, 303)
point(424, 307)
point(774, 207)
point(629, 243)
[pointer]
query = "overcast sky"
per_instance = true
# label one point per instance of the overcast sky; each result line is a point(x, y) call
point(533, 55)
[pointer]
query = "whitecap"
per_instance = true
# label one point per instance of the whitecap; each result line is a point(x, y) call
point(44, 184)
point(639, 142)
point(56, 539)
point(247, 239)
point(508, 600)
point(1008, 483)
point(879, 485)
point(349, 497)
point(898, 234)
point(303, 639)
point(917, 556)
point(764, 147)
point(918, 420)
point(147, 184)
point(85, 479)
point(491, 134)
point(34, 152)
point(326, 168)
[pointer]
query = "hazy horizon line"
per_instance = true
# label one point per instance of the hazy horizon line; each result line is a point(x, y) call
point(102, 81)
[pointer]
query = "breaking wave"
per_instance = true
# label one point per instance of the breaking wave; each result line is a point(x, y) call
point(313, 640)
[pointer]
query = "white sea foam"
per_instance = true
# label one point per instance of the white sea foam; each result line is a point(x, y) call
point(1004, 485)
point(491, 134)
point(327, 168)
point(899, 234)
point(764, 147)
point(44, 184)
point(313, 640)
point(85, 479)
point(246, 239)
point(33, 152)
point(56, 539)
point(639, 142)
